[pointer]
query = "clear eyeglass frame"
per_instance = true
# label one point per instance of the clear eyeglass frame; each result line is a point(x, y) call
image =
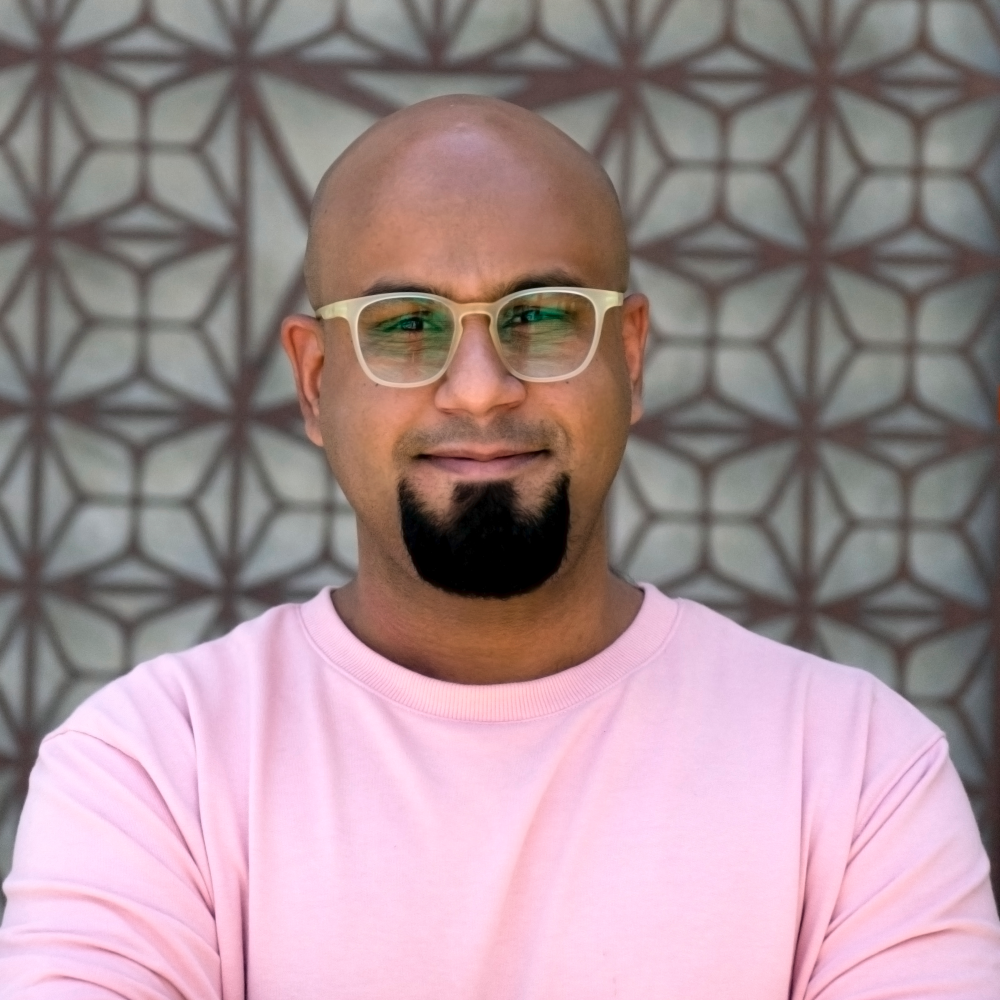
point(350, 309)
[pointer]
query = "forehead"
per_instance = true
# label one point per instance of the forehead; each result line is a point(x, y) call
point(459, 209)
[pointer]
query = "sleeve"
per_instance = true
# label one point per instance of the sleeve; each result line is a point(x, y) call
point(914, 917)
point(105, 898)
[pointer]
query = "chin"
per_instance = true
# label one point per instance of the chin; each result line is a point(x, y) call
point(487, 545)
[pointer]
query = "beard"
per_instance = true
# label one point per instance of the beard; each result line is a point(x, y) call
point(487, 546)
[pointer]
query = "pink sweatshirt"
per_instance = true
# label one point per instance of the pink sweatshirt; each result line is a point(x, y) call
point(696, 813)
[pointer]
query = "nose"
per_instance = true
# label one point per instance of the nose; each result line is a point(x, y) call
point(476, 381)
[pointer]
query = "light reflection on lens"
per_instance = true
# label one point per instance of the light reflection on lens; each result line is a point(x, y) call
point(406, 338)
point(546, 334)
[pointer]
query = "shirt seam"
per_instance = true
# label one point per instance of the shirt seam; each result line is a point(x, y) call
point(66, 730)
point(211, 903)
point(916, 757)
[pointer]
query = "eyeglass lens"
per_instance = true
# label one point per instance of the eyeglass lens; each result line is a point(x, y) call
point(405, 339)
point(544, 334)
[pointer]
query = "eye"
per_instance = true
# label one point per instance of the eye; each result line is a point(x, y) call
point(411, 324)
point(534, 314)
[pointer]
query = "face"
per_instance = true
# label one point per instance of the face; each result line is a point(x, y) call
point(467, 221)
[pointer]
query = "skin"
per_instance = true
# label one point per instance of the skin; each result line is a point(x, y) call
point(471, 198)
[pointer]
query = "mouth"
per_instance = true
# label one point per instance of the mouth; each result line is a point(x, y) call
point(471, 463)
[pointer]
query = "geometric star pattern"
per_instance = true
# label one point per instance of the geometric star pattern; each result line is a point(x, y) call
point(812, 189)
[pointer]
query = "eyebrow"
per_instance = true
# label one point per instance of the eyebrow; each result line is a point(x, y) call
point(546, 279)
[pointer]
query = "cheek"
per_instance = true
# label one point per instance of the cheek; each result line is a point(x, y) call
point(600, 422)
point(361, 424)
point(356, 433)
point(598, 435)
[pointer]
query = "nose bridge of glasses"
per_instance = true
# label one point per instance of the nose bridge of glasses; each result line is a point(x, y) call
point(468, 310)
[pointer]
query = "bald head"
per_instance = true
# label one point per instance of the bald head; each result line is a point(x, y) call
point(463, 158)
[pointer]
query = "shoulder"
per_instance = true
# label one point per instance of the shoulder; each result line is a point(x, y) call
point(208, 688)
point(840, 741)
point(813, 700)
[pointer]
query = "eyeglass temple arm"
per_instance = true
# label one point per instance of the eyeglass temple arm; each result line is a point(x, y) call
point(332, 311)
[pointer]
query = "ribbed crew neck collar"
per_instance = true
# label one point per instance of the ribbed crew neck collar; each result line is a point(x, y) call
point(513, 702)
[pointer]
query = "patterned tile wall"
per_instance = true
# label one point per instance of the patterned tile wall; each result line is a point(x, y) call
point(813, 194)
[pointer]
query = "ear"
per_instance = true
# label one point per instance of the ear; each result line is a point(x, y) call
point(302, 339)
point(635, 330)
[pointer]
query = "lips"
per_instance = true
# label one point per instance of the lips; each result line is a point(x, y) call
point(478, 454)
point(472, 463)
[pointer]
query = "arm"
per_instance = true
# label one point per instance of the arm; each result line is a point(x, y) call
point(914, 917)
point(107, 898)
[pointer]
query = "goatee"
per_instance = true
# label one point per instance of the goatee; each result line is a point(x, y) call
point(487, 546)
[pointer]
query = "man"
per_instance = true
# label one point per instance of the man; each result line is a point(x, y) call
point(488, 767)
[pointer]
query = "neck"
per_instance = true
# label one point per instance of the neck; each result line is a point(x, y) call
point(569, 619)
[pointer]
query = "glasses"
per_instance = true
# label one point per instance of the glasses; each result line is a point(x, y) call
point(408, 340)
